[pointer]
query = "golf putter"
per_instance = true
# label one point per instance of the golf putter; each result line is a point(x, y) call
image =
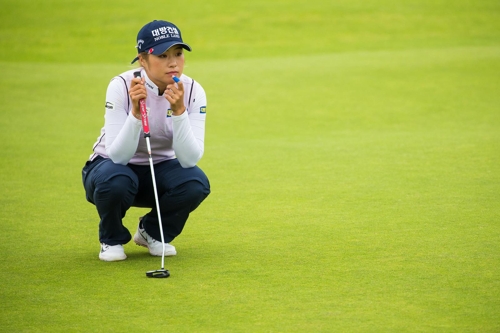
point(162, 272)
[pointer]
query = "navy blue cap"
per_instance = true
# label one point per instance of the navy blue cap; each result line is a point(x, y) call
point(158, 36)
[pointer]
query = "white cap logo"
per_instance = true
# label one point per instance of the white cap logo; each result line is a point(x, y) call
point(139, 43)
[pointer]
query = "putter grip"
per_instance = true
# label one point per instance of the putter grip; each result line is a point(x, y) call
point(144, 113)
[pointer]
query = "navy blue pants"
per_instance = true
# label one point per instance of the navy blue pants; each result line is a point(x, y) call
point(114, 188)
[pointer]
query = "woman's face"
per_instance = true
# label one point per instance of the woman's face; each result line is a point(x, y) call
point(161, 68)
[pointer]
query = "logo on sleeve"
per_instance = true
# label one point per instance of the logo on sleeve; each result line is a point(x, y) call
point(169, 113)
point(109, 105)
point(203, 109)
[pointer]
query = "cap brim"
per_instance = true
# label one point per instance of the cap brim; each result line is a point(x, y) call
point(161, 48)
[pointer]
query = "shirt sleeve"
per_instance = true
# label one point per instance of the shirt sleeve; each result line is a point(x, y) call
point(121, 127)
point(189, 131)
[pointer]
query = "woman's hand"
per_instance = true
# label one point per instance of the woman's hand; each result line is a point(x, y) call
point(175, 95)
point(136, 93)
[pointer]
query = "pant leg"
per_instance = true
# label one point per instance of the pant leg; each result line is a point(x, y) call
point(180, 192)
point(111, 188)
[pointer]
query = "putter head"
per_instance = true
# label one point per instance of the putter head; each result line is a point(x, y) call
point(159, 273)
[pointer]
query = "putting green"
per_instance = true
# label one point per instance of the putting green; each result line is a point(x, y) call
point(353, 153)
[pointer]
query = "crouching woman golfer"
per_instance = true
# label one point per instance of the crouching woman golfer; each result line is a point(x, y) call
point(117, 175)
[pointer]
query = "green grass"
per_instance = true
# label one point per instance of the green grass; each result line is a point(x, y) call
point(352, 147)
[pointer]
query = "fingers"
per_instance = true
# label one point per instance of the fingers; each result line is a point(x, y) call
point(180, 85)
point(137, 89)
point(137, 92)
point(175, 90)
point(135, 81)
point(175, 95)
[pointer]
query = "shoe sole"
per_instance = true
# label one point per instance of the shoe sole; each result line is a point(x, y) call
point(112, 259)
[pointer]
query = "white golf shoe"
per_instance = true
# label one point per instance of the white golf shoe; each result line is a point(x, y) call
point(112, 252)
point(155, 247)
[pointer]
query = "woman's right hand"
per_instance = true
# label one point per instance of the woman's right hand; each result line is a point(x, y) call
point(136, 93)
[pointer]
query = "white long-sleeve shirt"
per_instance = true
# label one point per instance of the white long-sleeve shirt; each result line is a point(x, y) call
point(182, 137)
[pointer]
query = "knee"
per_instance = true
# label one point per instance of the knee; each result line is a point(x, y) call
point(195, 192)
point(116, 189)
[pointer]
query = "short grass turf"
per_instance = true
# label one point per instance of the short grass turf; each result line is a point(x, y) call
point(352, 147)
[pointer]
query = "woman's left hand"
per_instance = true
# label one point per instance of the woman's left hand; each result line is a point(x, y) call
point(175, 95)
